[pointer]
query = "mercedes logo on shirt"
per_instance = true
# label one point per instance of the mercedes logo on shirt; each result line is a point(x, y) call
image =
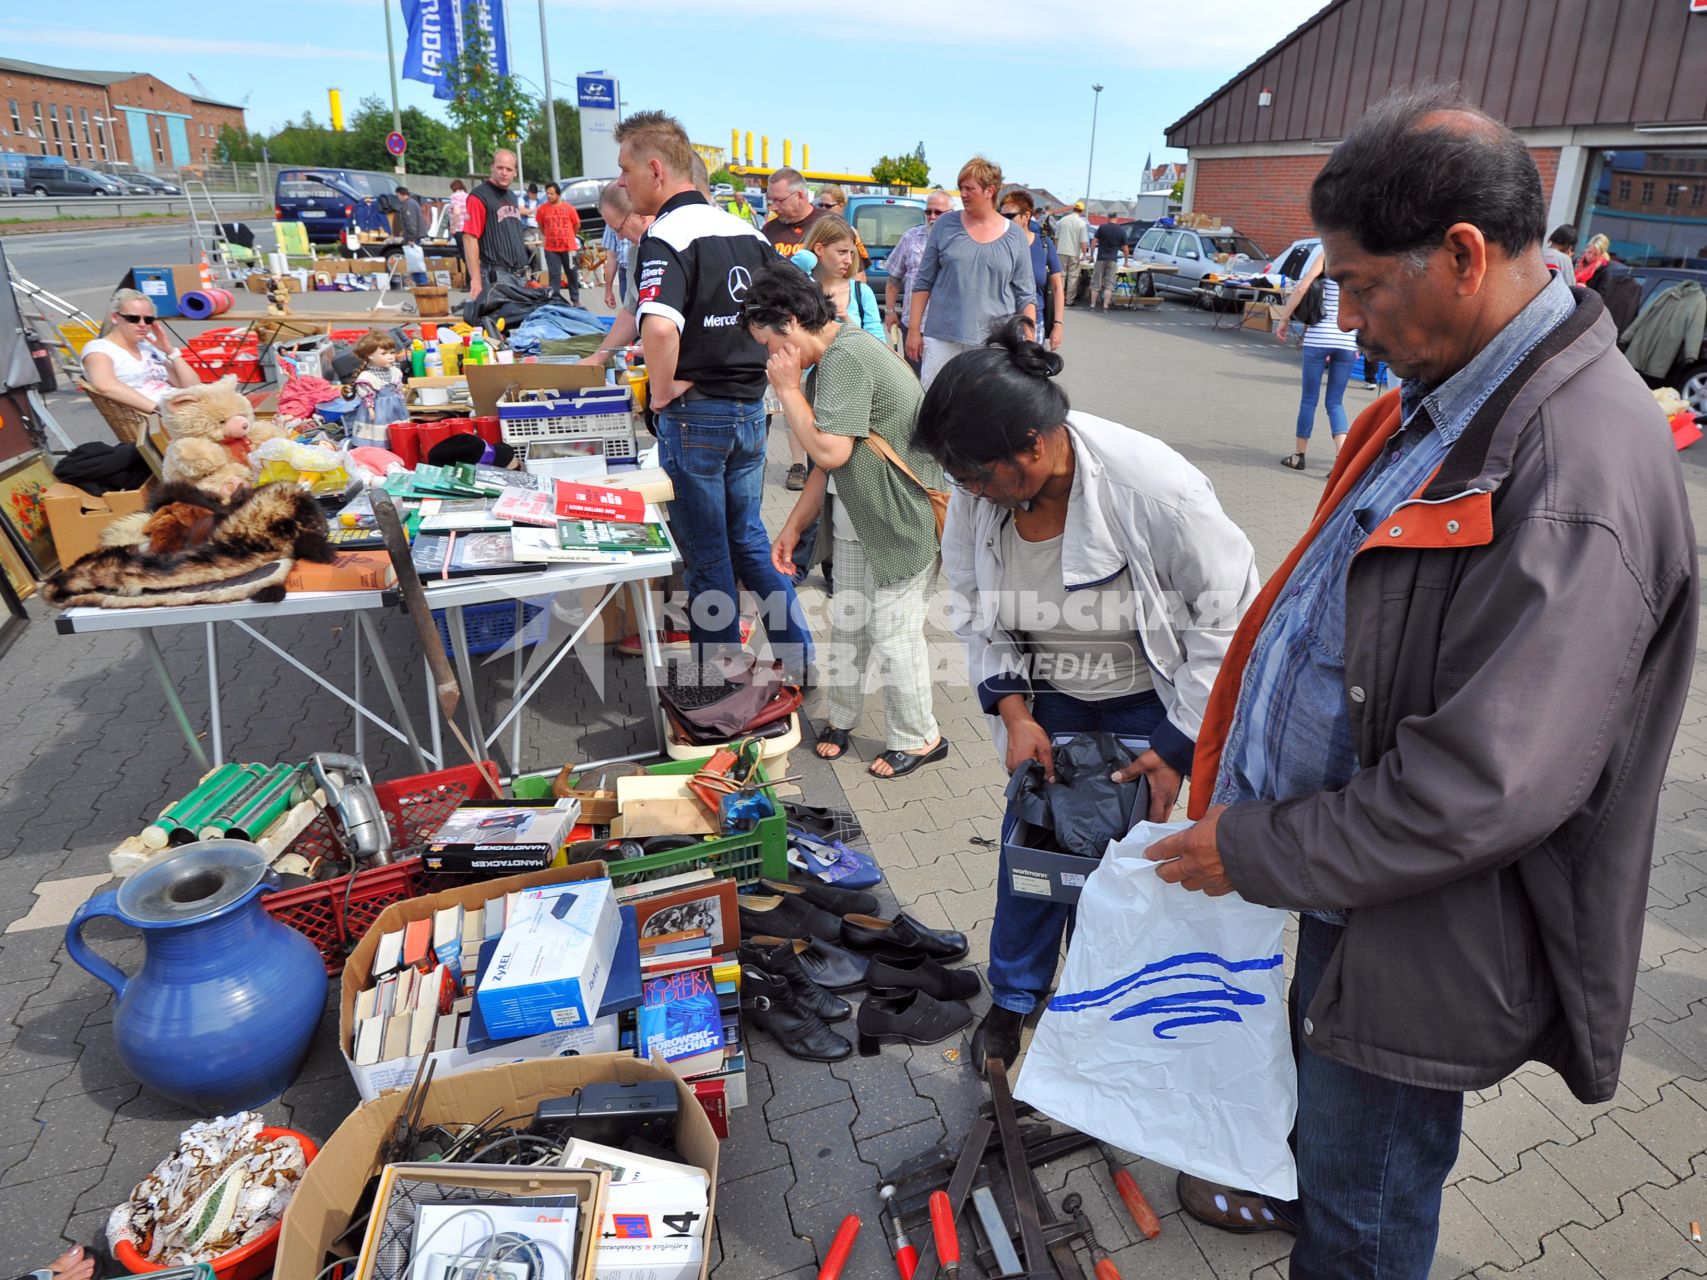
point(740, 280)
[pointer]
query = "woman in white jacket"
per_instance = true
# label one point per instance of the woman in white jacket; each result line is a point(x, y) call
point(1096, 582)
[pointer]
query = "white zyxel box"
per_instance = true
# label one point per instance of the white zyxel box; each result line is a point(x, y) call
point(553, 960)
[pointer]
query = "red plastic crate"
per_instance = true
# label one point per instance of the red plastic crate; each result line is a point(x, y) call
point(414, 808)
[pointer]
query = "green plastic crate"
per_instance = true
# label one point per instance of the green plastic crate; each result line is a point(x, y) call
point(758, 854)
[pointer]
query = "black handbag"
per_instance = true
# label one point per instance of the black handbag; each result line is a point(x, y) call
point(1084, 807)
point(1312, 308)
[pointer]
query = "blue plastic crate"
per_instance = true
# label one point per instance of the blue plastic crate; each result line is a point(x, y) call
point(492, 626)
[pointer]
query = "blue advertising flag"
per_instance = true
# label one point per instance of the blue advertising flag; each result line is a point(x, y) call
point(434, 39)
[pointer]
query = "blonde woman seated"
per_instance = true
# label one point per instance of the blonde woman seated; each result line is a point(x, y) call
point(133, 361)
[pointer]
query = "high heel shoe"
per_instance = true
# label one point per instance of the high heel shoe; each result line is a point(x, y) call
point(911, 1016)
point(774, 1008)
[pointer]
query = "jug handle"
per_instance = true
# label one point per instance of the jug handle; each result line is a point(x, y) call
point(102, 904)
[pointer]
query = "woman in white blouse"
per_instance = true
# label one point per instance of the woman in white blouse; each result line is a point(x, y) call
point(133, 361)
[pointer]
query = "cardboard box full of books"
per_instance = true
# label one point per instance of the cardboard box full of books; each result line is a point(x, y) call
point(325, 1201)
point(373, 1079)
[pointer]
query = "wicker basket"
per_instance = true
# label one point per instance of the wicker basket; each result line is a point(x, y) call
point(431, 300)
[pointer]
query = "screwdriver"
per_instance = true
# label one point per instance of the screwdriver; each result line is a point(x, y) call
point(947, 1239)
point(1142, 1214)
point(840, 1248)
point(906, 1257)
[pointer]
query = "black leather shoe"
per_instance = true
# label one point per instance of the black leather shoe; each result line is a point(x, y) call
point(786, 915)
point(781, 959)
point(997, 1037)
point(925, 974)
point(901, 936)
point(771, 1004)
point(831, 967)
point(911, 1016)
point(826, 897)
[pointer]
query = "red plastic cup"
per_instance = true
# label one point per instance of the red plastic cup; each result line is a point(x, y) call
point(489, 429)
point(405, 442)
point(431, 434)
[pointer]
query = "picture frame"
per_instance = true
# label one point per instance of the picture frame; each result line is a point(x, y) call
point(18, 576)
point(711, 906)
point(22, 481)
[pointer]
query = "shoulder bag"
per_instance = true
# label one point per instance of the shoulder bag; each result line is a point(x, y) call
point(938, 498)
point(1312, 307)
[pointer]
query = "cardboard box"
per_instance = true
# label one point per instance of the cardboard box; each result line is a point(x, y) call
point(487, 382)
point(1044, 873)
point(325, 1202)
point(1260, 316)
point(76, 518)
point(358, 973)
point(553, 963)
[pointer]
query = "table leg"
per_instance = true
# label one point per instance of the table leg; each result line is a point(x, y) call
point(654, 656)
point(389, 679)
point(433, 726)
point(465, 673)
point(356, 690)
point(516, 683)
point(174, 704)
point(213, 703)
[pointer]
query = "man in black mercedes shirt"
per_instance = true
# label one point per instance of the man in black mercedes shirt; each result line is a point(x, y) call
point(706, 382)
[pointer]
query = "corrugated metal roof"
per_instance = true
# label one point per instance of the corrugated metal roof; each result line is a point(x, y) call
point(66, 73)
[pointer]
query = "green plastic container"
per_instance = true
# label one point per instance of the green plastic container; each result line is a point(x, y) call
point(749, 857)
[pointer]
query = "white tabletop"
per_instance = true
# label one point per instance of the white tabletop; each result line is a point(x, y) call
point(86, 618)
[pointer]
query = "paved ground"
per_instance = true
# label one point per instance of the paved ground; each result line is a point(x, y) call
point(1545, 1187)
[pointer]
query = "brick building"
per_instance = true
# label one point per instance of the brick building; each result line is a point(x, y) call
point(1608, 94)
point(108, 118)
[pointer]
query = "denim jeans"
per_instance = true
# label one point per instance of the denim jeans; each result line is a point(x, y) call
point(1373, 1154)
point(1338, 366)
point(560, 269)
point(1025, 938)
point(714, 452)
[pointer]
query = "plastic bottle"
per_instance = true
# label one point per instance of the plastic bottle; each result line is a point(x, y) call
point(417, 359)
point(450, 351)
point(478, 351)
point(435, 365)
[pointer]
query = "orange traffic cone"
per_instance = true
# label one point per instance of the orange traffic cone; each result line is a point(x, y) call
point(206, 272)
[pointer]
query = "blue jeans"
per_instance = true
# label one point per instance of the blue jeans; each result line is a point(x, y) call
point(714, 452)
point(1338, 365)
point(1373, 1154)
point(1025, 938)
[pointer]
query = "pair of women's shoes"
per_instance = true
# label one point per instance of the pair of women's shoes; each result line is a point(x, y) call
point(805, 908)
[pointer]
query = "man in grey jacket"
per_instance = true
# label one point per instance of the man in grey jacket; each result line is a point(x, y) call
point(1441, 731)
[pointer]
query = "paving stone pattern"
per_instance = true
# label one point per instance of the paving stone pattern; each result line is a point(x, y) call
point(1544, 1187)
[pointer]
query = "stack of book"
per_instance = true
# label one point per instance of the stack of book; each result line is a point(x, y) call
point(579, 523)
point(407, 1012)
point(502, 837)
point(655, 1216)
point(690, 1011)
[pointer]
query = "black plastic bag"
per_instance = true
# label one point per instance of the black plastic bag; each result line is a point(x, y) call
point(1084, 807)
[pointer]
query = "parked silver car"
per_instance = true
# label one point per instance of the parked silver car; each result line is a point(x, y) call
point(1198, 256)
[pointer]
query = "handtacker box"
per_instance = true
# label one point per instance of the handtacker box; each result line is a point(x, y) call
point(553, 960)
point(1048, 873)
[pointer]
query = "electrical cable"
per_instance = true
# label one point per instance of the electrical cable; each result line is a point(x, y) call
point(507, 1139)
point(340, 1262)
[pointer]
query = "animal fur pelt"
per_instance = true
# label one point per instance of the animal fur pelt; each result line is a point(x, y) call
point(252, 541)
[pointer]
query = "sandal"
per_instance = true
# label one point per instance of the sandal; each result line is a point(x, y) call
point(1228, 1209)
point(832, 737)
point(1293, 460)
point(901, 763)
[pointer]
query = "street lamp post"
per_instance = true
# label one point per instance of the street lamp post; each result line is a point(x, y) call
point(1096, 90)
point(550, 109)
point(402, 166)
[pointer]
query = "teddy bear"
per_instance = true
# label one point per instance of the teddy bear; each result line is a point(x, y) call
point(211, 429)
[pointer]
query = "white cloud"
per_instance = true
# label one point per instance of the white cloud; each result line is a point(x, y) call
point(20, 37)
point(1214, 35)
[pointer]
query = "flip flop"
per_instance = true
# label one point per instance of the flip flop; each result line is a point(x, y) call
point(831, 737)
point(901, 763)
point(1229, 1209)
point(832, 861)
point(1294, 461)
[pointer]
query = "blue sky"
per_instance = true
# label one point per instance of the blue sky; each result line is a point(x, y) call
point(1010, 78)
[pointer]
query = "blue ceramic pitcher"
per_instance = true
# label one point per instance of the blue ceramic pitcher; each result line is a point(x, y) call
point(222, 1012)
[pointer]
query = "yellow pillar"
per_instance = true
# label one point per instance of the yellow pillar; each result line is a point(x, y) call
point(749, 146)
point(765, 151)
point(805, 156)
point(336, 100)
point(787, 152)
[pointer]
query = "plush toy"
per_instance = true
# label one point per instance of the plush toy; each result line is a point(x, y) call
point(211, 430)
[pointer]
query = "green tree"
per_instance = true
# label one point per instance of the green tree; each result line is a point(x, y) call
point(1177, 191)
point(724, 178)
point(491, 109)
point(909, 169)
point(536, 149)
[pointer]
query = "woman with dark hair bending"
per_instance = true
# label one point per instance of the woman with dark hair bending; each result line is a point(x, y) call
point(1096, 582)
point(881, 522)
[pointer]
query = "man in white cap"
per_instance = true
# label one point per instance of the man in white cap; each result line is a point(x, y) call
point(1071, 234)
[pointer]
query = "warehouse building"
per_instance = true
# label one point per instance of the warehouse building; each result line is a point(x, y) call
point(1610, 95)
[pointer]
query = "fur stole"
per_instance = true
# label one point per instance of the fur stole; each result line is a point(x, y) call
point(239, 549)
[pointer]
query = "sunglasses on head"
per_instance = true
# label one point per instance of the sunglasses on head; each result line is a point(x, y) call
point(136, 319)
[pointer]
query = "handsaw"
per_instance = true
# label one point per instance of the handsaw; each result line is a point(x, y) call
point(445, 687)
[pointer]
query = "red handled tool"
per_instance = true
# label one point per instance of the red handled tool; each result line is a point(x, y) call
point(947, 1238)
point(840, 1248)
point(1142, 1214)
point(906, 1257)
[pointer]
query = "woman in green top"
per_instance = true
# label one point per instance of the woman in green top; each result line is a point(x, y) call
point(882, 525)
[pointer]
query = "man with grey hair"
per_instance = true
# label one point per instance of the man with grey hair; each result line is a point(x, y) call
point(492, 234)
point(792, 211)
point(1442, 729)
point(620, 220)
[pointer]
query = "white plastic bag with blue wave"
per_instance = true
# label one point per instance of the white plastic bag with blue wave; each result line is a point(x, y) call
point(1167, 1035)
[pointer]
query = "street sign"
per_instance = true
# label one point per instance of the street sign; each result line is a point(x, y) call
point(596, 93)
point(396, 143)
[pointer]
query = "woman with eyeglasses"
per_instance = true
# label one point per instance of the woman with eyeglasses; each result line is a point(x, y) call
point(133, 361)
point(1096, 582)
point(1018, 208)
point(975, 270)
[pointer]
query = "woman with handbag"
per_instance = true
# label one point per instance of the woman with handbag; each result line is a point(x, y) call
point(854, 418)
point(1328, 350)
point(1096, 582)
